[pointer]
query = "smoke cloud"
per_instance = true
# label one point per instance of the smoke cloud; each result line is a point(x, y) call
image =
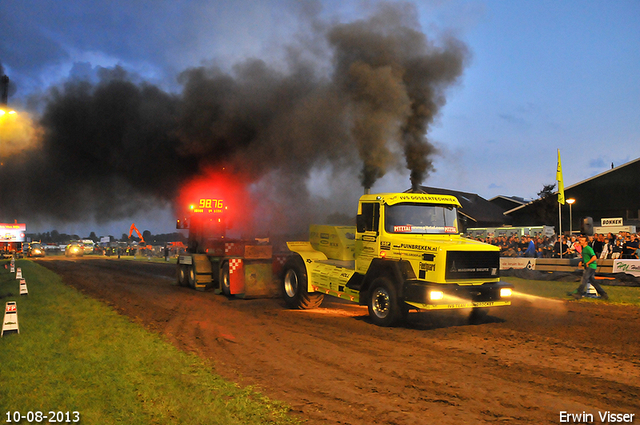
point(111, 148)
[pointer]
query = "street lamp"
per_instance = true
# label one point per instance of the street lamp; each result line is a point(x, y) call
point(570, 201)
point(3, 116)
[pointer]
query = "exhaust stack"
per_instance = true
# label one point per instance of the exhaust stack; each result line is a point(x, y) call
point(367, 191)
point(415, 188)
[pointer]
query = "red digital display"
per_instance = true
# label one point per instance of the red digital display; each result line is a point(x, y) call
point(209, 205)
point(220, 196)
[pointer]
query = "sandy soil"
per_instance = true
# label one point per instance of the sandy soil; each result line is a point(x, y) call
point(525, 364)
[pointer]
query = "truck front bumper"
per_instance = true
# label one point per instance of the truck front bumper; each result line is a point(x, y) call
point(431, 296)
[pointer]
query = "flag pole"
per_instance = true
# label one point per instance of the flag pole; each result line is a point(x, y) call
point(560, 202)
point(560, 228)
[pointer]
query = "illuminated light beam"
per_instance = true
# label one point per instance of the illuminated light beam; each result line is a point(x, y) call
point(534, 297)
point(333, 312)
point(548, 304)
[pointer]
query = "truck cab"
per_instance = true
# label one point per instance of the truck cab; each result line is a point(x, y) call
point(406, 251)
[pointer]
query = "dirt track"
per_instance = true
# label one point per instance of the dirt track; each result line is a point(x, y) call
point(526, 364)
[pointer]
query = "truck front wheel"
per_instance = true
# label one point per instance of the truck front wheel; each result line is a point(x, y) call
point(294, 286)
point(383, 303)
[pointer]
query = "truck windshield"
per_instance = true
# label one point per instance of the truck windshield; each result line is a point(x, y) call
point(421, 218)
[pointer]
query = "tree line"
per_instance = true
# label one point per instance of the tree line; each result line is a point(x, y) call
point(56, 237)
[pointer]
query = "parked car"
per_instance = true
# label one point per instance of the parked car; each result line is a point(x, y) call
point(89, 246)
point(74, 249)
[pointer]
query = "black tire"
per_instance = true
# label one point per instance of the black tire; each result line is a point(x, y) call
point(478, 315)
point(294, 286)
point(383, 303)
point(183, 278)
point(191, 276)
point(225, 285)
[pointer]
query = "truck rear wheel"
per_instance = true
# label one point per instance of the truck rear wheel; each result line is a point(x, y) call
point(383, 303)
point(294, 286)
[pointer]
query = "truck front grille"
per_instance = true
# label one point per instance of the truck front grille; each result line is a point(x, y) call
point(472, 264)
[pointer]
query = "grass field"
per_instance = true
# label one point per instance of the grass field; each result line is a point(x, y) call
point(144, 258)
point(559, 290)
point(75, 354)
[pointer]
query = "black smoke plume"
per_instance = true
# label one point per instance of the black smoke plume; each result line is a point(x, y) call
point(120, 146)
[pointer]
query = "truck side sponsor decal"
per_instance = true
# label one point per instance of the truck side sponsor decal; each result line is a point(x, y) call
point(422, 197)
point(417, 247)
point(427, 267)
point(402, 229)
point(469, 304)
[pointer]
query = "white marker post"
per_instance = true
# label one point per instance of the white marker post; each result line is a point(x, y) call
point(19, 273)
point(10, 322)
point(23, 287)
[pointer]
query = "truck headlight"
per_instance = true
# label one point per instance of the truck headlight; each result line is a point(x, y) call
point(505, 292)
point(436, 295)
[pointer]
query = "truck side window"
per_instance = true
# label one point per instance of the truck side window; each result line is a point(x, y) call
point(370, 216)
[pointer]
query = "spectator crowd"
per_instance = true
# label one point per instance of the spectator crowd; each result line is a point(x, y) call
point(623, 245)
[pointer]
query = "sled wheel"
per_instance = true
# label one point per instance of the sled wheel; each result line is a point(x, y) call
point(191, 276)
point(225, 284)
point(183, 278)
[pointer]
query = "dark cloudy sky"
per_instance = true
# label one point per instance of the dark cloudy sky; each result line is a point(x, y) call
point(508, 84)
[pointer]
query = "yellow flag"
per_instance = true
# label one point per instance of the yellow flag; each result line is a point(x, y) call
point(560, 183)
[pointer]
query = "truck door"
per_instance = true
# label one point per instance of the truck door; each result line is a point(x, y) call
point(367, 244)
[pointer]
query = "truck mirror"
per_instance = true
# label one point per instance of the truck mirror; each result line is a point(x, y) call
point(586, 226)
point(360, 223)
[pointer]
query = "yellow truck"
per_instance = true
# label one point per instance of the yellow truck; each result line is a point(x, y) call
point(405, 252)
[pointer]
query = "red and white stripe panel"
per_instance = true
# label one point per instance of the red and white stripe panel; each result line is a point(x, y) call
point(234, 264)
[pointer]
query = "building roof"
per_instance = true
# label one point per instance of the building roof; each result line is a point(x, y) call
point(507, 202)
point(602, 175)
point(610, 194)
point(514, 199)
point(474, 207)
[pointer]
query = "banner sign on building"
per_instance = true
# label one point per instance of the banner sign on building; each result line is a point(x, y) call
point(12, 232)
point(627, 266)
point(507, 263)
point(611, 222)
